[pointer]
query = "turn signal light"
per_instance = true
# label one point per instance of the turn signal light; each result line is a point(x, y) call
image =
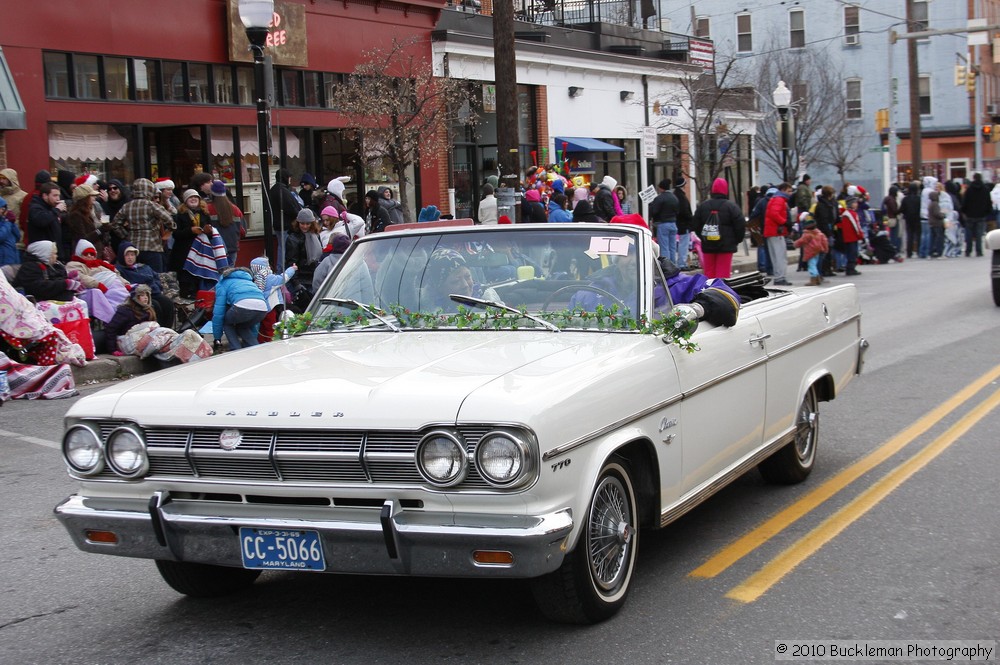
point(493, 558)
point(106, 537)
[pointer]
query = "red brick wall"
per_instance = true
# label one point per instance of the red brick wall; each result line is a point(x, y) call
point(3, 150)
point(542, 122)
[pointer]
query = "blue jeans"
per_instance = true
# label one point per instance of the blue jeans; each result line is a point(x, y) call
point(683, 248)
point(241, 326)
point(974, 227)
point(152, 259)
point(925, 239)
point(937, 241)
point(666, 237)
point(814, 264)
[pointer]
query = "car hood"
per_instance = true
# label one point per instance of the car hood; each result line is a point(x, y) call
point(356, 379)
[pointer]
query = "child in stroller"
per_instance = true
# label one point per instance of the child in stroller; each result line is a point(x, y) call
point(880, 248)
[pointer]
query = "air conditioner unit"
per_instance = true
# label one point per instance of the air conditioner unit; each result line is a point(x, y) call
point(852, 40)
point(993, 109)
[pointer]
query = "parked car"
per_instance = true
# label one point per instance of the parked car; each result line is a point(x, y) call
point(459, 402)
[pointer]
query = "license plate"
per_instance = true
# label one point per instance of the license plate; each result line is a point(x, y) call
point(281, 549)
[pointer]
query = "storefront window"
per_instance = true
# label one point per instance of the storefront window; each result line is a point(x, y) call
point(331, 84)
point(244, 86)
point(198, 87)
point(147, 77)
point(106, 151)
point(222, 78)
point(116, 79)
point(56, 74)
point(173, 81)
point(311, 88)
point(291, 88)
point(86, 76)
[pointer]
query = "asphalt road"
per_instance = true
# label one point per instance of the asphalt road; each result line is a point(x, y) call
point(903, 545)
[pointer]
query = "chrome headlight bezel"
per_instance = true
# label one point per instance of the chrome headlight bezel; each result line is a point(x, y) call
point(98, 445)
point(143, 456)
point(458, 450)
point(517, 444)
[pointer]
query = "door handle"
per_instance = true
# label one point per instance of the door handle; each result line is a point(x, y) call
point(759, 339)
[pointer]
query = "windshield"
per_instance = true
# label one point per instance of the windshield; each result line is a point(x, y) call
point(571, 277)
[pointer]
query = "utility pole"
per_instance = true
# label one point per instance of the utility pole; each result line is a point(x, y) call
point(916, 149)
point(505, 75)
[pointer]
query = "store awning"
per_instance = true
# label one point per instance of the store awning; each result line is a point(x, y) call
point(12, 114)
point(222, 143)
point(86, 142)
point(576, 144)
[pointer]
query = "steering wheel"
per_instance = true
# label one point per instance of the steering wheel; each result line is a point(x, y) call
point(583, 287)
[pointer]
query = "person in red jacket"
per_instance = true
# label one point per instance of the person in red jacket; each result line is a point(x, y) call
point(848, 233)
point(776, 226)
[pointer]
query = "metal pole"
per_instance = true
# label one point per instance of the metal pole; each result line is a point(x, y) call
point(263, 141)
point(976, 118)
point(891, 130)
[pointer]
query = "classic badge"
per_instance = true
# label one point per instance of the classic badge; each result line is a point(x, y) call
point(230, 439)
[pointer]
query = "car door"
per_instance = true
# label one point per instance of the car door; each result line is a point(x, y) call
point(722, 409)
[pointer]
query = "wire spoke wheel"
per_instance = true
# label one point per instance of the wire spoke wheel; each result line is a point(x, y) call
point(611, 531)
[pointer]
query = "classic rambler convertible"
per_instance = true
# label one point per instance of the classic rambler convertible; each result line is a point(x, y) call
point(514, 401)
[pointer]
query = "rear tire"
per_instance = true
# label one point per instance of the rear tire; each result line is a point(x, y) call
point(594, 580)
point(793, 463)
point(200, 580)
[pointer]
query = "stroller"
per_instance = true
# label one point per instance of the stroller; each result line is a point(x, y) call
point(879, 247)
point(954, 236)
point(195, 315)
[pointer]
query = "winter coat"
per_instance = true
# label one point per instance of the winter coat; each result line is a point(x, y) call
point(826, 215)
point(185, 222)
point(14, 195)
point(732, 224)
point(284, 207)
point(559, 214)
point(976, 203)
point(377, 218)
point(685, 217)
point(909, 207)
point(930, 185)
point(80, 226)
point(488, 211)
point(139, 273)
point(10, 234)
point(803, 197)
point(392, 206)
point(230, 234)
point(141, 221)
point(776, 222)
point(935, 214)
point(664, 208)
point(124, 319)
point(43, 281)
point(532, 211)
point(604, 203)
point(45, 223)
point(812, 243)
point(234, 287)
point(848, 228)
point(112, 206)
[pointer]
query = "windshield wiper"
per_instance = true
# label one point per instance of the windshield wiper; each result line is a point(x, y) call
point(479, 302)
point(367, 309)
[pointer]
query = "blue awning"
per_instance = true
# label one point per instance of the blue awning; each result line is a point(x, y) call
point(11, 108)
point(576, 144)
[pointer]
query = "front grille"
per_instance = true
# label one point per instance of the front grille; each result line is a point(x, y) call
point(342, 457)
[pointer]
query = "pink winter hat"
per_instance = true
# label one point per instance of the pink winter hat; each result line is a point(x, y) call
point(720, 186)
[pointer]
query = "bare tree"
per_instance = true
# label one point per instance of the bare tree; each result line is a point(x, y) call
point(400, 110)
point(709, 113)
point(823, 132)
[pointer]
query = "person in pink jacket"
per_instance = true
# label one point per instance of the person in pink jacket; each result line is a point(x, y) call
point(814, 245)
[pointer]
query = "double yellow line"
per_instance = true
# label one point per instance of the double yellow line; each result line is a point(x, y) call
point(758, 583)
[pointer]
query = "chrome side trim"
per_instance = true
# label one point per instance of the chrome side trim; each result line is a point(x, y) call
point(596, 434)
point(713, 485)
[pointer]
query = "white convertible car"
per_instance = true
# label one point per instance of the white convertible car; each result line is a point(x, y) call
point(514, 401)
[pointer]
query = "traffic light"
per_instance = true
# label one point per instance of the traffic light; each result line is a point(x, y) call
point(988, 133)
point(960, 77)
point(970, 80)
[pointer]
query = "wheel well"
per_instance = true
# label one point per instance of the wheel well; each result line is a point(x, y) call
point(641, 458)
point(825, 388)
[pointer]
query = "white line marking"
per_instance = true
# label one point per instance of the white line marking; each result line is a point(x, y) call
point(31, 439)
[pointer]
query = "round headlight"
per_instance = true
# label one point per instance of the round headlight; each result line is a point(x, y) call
point(126, 452)
point(441, 459)
point(82, 450)
point(502, 458)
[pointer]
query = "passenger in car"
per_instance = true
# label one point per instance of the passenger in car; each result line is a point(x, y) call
point(448, 273)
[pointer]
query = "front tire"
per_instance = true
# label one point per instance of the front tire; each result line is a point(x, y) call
point(594, 579)
point(793, 463)
point(200, 580)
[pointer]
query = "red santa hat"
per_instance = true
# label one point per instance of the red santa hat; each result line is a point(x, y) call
point(90, 179)
point(633, 219)
point(164, 183)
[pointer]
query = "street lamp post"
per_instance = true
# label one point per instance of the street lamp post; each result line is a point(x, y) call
point(256, 16)
point(782, 98)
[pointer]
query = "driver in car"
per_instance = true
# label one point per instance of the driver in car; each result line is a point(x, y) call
point(447, 273)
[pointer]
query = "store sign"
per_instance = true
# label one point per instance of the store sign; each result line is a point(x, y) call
point(649, 142)
point(702, 53)
point(286, 38)
point(577, 166)
point(489, 98)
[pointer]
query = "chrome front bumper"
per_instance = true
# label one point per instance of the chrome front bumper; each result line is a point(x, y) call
point(390, 541)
